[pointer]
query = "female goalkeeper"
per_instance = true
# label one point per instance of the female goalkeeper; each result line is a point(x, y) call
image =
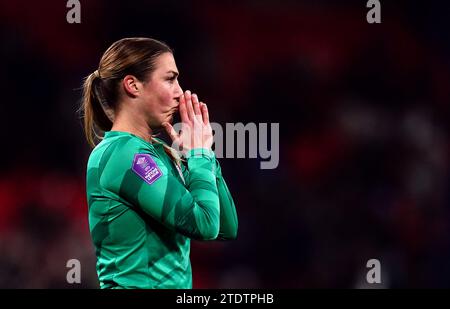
point(146, 199)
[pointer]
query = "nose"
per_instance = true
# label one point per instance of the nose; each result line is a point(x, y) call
point(178, 91)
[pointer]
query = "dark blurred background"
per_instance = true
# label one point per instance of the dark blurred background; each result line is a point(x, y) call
point(364, 146)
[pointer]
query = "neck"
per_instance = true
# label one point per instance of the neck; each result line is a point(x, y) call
point(133, 124)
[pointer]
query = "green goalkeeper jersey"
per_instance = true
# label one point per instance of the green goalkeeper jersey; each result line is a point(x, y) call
point(144, 208)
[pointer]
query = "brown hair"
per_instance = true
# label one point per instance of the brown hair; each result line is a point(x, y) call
point(129, 56)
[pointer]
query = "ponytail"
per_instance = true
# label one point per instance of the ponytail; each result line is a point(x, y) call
point(94, 110)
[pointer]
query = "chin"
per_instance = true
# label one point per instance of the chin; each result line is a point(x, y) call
point(159, 126)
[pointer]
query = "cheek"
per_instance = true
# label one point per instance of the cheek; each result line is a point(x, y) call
point(165, 96)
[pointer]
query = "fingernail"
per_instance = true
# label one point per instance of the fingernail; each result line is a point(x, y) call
point(188, 92)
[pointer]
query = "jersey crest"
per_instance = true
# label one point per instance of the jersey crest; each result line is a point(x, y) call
point(145, 167)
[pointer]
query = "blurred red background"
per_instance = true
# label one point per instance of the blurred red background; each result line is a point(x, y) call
point(363, 112)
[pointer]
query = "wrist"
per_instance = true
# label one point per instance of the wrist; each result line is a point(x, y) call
point(199, 152)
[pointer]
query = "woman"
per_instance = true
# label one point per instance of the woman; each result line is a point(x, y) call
point(147, 200)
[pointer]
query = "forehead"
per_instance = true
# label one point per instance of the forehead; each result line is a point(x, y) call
point(165, 63)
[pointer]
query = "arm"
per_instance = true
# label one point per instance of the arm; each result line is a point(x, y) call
point(228, 216)
point(193, 212)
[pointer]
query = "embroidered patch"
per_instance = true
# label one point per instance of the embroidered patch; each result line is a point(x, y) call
point(146, 168)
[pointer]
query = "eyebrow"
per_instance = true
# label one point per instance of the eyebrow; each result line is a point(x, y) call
point(176, 73)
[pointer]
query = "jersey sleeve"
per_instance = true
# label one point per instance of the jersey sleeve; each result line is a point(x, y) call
point(228, 216)
point(140, 177)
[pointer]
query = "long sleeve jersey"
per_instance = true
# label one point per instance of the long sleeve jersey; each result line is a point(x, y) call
point(144, 209)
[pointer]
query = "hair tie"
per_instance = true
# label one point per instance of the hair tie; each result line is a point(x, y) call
point(97, 74)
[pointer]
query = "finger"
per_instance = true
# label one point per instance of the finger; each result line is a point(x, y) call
point(171, 131)
point(205, 113)
point(196, 105)
point(183, 112)
point(190, 109)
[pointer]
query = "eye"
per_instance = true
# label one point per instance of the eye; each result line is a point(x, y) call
point(171, 79)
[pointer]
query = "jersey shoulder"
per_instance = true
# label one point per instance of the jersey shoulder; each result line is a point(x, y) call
point(128, 155)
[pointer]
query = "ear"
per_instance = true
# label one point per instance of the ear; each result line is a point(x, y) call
point(131, 85)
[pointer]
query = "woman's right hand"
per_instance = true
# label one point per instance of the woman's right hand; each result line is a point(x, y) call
point(196, 131)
